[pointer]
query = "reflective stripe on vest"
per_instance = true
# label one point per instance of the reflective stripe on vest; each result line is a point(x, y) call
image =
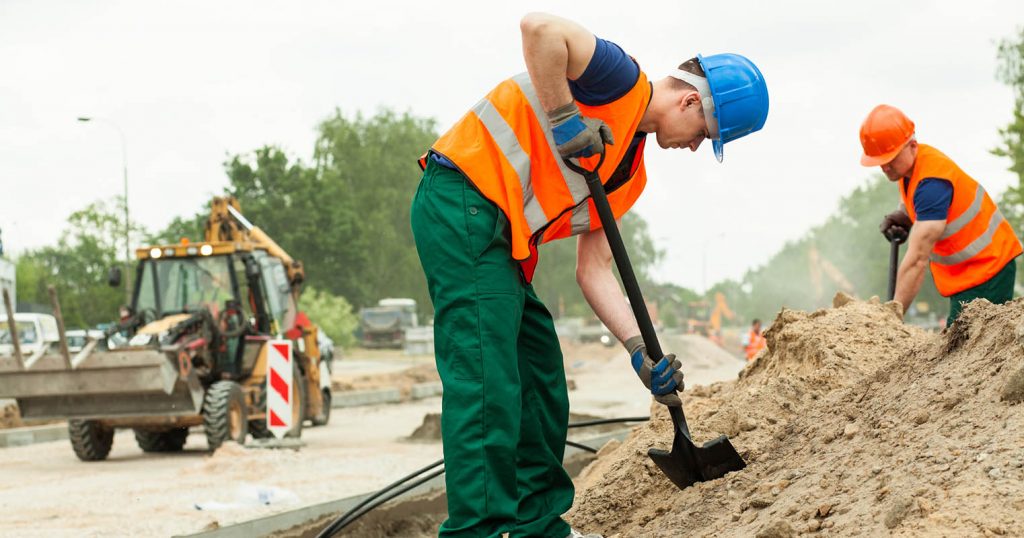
point(505, 147)
point(506, 139)
point(975, 246)
point(977, 241)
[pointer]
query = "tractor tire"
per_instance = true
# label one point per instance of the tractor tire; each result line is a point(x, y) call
point(325, 415)
point(300, 403)
point(225, 416)
point(161, 441)
point(90, 439)
point(258, 426)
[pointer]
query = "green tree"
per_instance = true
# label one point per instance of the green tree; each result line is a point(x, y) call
point(333, 314)
point(78, 266)
point(849, 241)
point(1010, 71)
point(347, 216)
point(555, 278)
point(192, 228)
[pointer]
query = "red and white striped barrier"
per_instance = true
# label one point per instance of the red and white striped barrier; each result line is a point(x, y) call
point(279, 387)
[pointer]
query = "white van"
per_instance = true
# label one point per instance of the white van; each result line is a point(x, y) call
point(36, 333)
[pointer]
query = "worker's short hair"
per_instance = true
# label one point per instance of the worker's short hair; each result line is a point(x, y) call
point(690, 66)
point(755, 321)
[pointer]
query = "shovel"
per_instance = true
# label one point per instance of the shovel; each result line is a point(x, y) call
point(896, 236)
point(687, 463)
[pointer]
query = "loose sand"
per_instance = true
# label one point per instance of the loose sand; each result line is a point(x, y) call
point(852, 424)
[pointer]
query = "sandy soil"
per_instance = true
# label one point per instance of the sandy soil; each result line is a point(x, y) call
point(852, 424)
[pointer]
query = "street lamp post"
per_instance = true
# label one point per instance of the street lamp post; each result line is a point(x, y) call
point(127, 222)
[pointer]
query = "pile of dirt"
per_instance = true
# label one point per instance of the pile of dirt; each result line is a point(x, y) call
point(10, 417)
point(402, 380)
point(430, 430)
point(852, 423)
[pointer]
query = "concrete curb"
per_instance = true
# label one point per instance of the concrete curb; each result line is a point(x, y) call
point(426, 390)
point(284, 521)
point(30, 435)
point(356, 398)
point(365, 397)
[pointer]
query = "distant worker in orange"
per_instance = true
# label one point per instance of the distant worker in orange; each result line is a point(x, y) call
point(952, 222)
point(754, 341)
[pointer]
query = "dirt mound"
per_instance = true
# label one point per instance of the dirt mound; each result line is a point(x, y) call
point(851, 422)
point(402, 380)
point(430, 430)
point(10, 417)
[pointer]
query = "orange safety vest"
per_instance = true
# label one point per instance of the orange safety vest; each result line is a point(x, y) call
point(755, 344)
point(978, 241)
point(505, 147)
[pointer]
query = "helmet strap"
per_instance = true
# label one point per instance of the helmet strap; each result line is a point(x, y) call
point(706, 100)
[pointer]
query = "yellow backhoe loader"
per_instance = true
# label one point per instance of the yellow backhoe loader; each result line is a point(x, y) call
point(192, 351)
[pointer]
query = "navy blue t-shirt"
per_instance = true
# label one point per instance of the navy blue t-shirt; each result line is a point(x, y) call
point(932, 198)
point(609, 75)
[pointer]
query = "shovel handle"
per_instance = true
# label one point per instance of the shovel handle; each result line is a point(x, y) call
point(636, 298)
point(896, 236)
point(611, 231)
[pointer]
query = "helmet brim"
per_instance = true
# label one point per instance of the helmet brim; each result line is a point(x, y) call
point(879, 160)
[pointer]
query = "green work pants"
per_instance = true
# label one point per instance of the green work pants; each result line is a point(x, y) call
point(998, 290)
point(505, 408)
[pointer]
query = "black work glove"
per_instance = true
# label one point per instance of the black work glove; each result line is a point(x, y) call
point(663, 378)
point(895, 226)
point(578, 136)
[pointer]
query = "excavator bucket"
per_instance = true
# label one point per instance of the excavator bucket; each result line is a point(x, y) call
point(108, 384)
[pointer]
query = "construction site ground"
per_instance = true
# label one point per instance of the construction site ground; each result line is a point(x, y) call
point(48, 492)
point(851, 423)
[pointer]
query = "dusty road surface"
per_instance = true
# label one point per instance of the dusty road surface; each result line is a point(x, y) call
point(47, 491)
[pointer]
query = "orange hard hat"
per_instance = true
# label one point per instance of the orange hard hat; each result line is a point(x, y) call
point(883, 134)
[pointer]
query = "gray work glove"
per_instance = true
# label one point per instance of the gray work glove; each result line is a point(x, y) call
point(895, 225)
point(663, 378)
point(578, 136)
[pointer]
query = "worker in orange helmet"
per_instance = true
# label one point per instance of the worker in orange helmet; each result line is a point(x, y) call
point(952, 222)
point(754, 341)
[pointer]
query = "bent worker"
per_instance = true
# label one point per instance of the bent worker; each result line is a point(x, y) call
point(953, 223)
point(753, 341)
point(495, 187)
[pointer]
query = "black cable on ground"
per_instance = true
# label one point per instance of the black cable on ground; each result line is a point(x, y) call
point(365, 505)
point(608, 421)
point(328, 532)
point(352, 515)
point(581, 446)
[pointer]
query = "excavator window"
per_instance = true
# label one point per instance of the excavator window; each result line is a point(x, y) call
point(186, 284)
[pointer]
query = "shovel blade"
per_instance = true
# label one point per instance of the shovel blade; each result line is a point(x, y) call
point(688, 464)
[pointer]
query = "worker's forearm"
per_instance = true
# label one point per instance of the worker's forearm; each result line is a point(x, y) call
point(909, 279)
point(602, 292)
point(546, 52)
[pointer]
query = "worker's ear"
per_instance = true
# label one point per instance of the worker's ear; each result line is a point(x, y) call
point(690, 98)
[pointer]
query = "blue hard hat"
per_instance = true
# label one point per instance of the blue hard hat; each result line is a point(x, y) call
point(739, 94)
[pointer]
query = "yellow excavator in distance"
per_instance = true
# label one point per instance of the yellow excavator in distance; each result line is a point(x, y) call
point(705, 320)
point(192, 351)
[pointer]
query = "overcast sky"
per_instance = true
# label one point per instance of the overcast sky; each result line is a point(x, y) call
point(192, 82)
